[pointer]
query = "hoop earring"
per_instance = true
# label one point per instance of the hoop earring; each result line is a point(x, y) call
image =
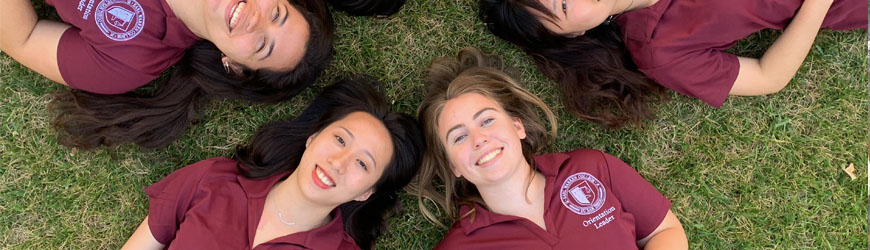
point(226, 64)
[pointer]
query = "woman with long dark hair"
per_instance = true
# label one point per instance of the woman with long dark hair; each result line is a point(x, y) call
point(608, 55)
point(325, 180)
point(263, 51)
point(484, 136)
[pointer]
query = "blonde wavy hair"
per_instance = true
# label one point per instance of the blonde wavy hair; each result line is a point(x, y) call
point(471, 72)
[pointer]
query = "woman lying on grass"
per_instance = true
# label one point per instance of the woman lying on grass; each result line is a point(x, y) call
point(263, 51)
point(608, 55)
point(325, 180)
point(484, 133)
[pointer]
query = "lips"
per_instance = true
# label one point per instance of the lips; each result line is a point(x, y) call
point(234, 14)
point(488, 157)
point(322, 178)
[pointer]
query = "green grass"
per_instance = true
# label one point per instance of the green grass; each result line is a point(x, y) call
point(761, 172)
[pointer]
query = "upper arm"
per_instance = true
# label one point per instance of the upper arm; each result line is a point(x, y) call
point(142, 238)
point(668, 235)
point(751, 79)
point(39, 51)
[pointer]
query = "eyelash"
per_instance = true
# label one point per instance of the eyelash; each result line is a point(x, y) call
point(340, 140)
point(485, 123)
point(262, 45)
point(277, 14)
point(565, 6)
point(362, 164)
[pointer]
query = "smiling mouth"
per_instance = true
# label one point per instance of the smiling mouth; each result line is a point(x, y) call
point(324, 180)
point(236, 14)
point(489, 157)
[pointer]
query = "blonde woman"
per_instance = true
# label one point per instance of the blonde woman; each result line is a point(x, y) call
point(484, 135)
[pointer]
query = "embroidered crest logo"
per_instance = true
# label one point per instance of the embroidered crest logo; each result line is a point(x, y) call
point(582, 193)
point(120, 20)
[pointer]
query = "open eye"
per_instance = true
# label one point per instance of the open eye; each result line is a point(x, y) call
point(487, 122)
point(459, 139)
point(339, 140)
point(565, 6)
point(362, 164)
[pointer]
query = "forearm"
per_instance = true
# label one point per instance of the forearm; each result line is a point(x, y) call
point(782, 60)
point(671, 238)
point(17, 21)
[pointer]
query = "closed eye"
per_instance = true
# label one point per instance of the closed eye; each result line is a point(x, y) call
point(276, 15)
point(262, 45)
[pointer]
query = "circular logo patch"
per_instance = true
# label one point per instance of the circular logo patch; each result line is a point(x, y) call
point(120, 20)
point(582, 193)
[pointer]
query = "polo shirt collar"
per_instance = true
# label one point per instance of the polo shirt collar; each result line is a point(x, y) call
point(482, 218)
point(639, 24)
point(177, 34)
point(548, 165)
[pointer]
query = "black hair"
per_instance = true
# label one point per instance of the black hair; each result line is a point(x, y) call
point(87, 120)
point(278, 147)
point(599, 80)
point(368, 7)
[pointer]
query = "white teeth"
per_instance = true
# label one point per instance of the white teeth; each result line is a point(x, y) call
point(235, 14)
point(323, 178)
point(488, 157)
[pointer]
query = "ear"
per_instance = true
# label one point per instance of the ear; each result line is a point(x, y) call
point(364, 196)
point(310, 138)
point(521, 130)
point(233, 67)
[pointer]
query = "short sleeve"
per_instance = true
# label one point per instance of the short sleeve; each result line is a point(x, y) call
point(84, 67)
point(706, 74)
point(637, 196)
point(170, 198)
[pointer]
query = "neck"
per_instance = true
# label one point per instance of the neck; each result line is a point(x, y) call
point(623, 6)
point(288, 199)
point(502, 197)
point(190, 13)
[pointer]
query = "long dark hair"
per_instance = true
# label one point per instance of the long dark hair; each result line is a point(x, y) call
point(599, 80)
point(87, 120)
point(278, 147)
point(368, 7)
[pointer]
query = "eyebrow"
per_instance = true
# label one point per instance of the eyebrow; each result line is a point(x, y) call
point(375, 163)
point(460, 125)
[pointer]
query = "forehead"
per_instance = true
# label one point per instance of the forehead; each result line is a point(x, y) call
point(290, 39)
point(462, 108)
point(369, 134)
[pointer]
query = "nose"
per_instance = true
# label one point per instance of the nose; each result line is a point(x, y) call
point(338, 161)
point(255, 19)
point(478, 138)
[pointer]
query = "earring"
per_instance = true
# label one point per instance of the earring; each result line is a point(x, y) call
point(226, 64)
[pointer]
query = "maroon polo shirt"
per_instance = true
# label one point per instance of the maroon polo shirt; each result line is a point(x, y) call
point(592, 201)
point(680, 43)
point(116, 46)
point(209, 205)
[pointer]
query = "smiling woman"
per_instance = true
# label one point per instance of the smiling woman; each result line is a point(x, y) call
point(325, 180)
point(274, 50)
point(612, 57)
point(484, 136)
